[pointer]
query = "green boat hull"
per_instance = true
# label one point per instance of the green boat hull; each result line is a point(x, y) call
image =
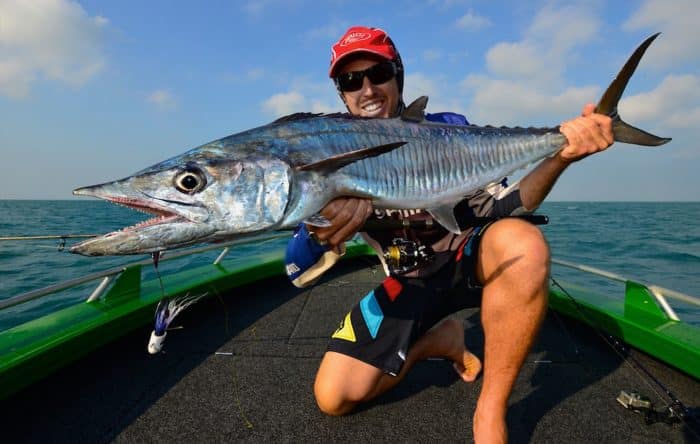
point(35, 349)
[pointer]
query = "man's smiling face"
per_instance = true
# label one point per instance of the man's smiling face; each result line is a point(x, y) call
point(371, 100)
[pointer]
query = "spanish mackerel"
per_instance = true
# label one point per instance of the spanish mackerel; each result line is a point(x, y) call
point(278, 175)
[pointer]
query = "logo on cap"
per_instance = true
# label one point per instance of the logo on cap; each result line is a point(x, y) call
point(355, 37)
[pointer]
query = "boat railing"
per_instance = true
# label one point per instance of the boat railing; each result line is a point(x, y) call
point(107, 276)
point(660, 293)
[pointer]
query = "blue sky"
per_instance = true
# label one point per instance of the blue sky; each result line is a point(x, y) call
point(92, 91)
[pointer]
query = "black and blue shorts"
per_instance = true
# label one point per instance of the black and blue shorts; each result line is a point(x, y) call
point(386, 322)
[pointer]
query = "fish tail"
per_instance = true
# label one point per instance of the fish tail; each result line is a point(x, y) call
point(622, 131)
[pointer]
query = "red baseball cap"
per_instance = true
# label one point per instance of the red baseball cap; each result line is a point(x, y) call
point(361, 39)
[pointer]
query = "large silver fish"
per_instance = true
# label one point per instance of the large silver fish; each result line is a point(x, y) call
point(278, 175)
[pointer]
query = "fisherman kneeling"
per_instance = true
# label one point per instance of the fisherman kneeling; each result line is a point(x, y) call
point(502, 267)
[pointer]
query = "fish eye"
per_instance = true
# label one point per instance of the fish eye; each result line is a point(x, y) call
point(190, 180)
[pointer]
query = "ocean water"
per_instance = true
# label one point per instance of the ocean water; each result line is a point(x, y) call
point(656, 243)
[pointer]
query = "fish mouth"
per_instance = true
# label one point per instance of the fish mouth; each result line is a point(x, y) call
point(154, 234)
point(163, 215)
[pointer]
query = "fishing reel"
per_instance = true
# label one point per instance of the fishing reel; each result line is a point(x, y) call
point(673, 413)
point(404, 255)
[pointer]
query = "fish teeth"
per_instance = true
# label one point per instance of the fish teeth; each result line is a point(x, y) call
point(133, 204)
point(152, 221)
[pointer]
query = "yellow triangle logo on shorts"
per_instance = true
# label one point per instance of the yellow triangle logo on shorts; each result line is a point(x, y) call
point(345, 331)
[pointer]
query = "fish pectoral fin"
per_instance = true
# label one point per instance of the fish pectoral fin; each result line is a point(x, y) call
point(318, 221)
point(336, 162)
point(445, 216)
point(415, 112)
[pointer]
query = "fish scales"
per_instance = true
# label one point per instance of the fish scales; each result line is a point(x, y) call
point(429, 166)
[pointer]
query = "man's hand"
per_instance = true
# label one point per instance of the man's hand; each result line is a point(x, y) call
point(590, 133)
point(346, 215)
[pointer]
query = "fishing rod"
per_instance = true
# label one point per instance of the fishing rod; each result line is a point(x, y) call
point(370, 225)
point(61, 237)
point(674, 411)
point(45, 237)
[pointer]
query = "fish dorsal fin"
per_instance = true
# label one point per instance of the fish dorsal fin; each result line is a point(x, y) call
point(336, 162)
point(296, 116)
point(304, 116)
point(445, 216)
point(415, 112)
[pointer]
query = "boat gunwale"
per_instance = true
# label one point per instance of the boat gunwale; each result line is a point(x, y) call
point(104, 320)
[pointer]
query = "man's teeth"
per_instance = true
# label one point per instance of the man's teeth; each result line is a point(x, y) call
point(372, 106)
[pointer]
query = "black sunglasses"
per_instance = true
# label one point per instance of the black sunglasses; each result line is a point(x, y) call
point(377, 74)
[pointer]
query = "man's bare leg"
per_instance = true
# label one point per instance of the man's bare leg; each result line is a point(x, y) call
point(514, 267)
point(342, 381)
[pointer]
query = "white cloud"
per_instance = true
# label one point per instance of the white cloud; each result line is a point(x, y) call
point(548, 44)
point(304, 95)
point(53, 39)
point(320, 106)
point(507, 102)
point(15, 78)
point(162, 99)
point(515, 60)
point(526, 78)
point(419, 84)
point(442, 94)
point(559, 29)
point(678, 21)
point(284, 103)
point(675, 103)
point(297, 101)
point(684, 119)
point(472, 22)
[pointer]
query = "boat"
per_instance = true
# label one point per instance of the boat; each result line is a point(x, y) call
point(239, 365)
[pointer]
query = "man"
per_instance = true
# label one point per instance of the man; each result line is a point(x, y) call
point(503, 266)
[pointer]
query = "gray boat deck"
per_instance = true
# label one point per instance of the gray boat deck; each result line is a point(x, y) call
point(262, 391)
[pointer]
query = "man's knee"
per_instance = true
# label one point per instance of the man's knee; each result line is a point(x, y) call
point(513, 248)
point(329, 398)
point(342, 382)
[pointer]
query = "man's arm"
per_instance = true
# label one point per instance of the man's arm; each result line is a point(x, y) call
point(587, 134)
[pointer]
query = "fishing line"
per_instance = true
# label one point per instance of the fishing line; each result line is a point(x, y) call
point(370, 225)
point(675, 407)
point(566, 331)
point(156, 255)
point(60, 237)
point(45, 237)
point(226, 319)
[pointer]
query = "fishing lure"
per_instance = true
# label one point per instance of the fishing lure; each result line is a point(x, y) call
point(166, 311)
